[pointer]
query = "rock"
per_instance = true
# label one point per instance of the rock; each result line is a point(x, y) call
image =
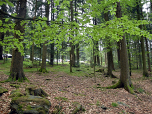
point(78, 109)
point(16, 93)
point(30, 105)
point(33, 90)
point(2, 90)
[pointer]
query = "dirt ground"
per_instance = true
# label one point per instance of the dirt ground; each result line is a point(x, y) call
point(67, 91)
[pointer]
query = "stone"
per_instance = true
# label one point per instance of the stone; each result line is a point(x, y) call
point(33, 90)
point(30, 104)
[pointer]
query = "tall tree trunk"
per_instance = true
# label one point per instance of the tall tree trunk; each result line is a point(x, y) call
point(43, 66)
point(109, 53)
point(3, 7)
point(148, 57)
point(52, 44)
point(97, 51)
point(118, 53)
point(16, 71)
point(71, 44)
point(129, 54)
point(77, 54)
point(105, 59)
point(139, 11)
point(125, 80)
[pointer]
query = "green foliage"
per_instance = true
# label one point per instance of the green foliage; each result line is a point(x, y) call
point(114, 104)
point(28, 64)
point(98, 103)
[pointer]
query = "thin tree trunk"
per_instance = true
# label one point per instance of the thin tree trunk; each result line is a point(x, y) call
point(3, 7)
point(129, 55)
point(43, 65)
point(148, 57)
point(71, 44)
point(145, 71)
point(118, 53)
point(77, 53)
point(52, 44)
point(109, 53)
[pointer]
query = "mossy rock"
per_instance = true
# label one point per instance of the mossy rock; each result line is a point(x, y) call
point(30, 105)
point(16, 93)
point(33, 90)
point(3, 90)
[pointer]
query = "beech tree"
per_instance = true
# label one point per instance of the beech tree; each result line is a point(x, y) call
point(43, 66)
point(16, 71)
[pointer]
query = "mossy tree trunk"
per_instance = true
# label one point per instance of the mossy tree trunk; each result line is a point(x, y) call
point(125, 80)
point(16, 71)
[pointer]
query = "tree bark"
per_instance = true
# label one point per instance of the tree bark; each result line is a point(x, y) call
point(139, 11)
point(52, 44)
point(109, 53)
point(16, 71)
point(148, 57)
point(3, 7)
point(125, 80)
point(43, 66)
point(71, 44)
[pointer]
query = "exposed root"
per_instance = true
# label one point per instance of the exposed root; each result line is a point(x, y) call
point(117, 85)
point(43, 70)
point(127, 87)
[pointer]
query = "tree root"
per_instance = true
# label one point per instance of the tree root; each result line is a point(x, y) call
point(127, 87)
point(43, 70)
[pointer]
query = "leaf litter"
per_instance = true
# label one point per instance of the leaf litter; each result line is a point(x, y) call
point(66, 91)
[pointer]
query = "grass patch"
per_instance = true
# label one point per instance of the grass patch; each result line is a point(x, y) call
point(97, 103)
point(61, 98)
point(114, 104)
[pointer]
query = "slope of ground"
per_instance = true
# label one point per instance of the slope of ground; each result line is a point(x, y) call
point(67, 90)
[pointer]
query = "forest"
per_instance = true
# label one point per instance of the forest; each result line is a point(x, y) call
point(75, 56)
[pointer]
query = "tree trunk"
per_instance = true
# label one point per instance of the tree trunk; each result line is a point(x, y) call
point(129, 55)
point(97, 50)
point(43, 66)
point(16, 71)
point(139, 11)
point(109, 53)
point(125, 80)
point(71, 44)
point(148, 57)
point(3, 7)
point(118, 53)
point(77, 54)
point(52, 44)
point(1, 47)
point(105, 59)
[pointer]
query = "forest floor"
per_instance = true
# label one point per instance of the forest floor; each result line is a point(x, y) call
point(67, 90)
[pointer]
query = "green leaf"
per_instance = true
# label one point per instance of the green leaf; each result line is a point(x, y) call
point(7, 19)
